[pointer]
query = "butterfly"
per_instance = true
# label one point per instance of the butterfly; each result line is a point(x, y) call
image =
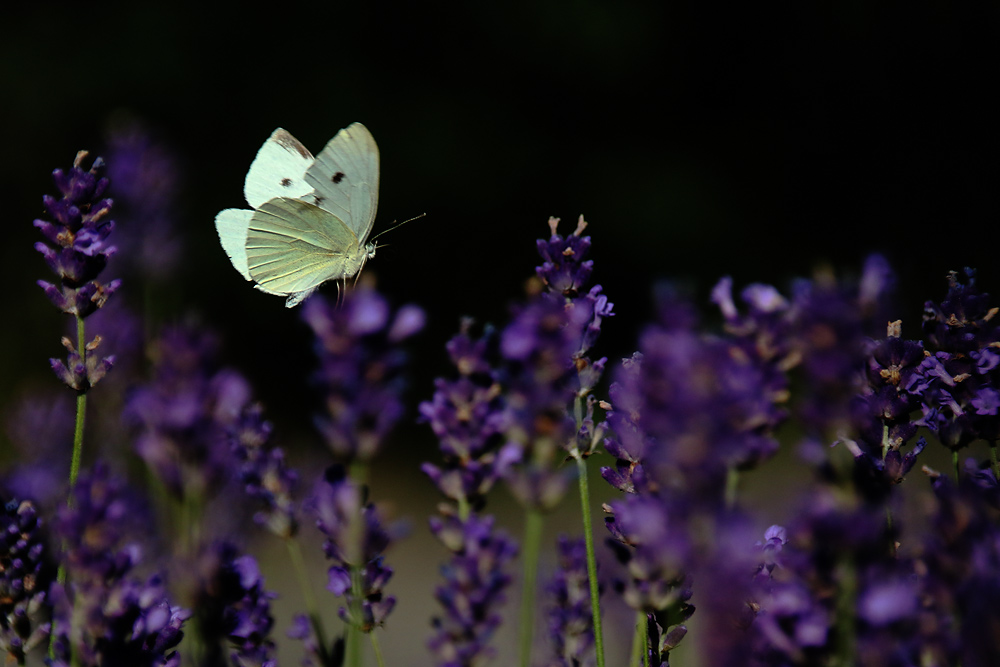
point(311, 217)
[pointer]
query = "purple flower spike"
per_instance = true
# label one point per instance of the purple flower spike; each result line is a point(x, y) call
point(361, 368)
point(475, 583)
point(145, 176)
point(233, 607)
point(571, 624)
point(104, 615)
point(468, 417)
point(960, 381)
point(832, 323)
point(187, 414)
point(264, 474)
point(355, 541)
point(565, 271)
point(76, 233)
point(24, 579)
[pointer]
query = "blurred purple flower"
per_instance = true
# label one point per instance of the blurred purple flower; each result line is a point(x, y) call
point(571, 623)
point(361, 368)
point(264, 473)
point(25, 576)
point(476, 579)
point(186, 414)
point(105, 616)
point(963, 567)
point(232, 606)
point(688, 408)
point(145, 176)
point(833, 323)
point(356, 540)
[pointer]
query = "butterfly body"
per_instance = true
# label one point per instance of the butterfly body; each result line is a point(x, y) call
point(311, 218)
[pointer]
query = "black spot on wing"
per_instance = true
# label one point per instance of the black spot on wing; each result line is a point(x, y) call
point(285, 182)
point(318, 199)
point(338, 177)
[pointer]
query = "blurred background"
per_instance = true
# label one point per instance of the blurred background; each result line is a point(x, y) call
point(699, 139)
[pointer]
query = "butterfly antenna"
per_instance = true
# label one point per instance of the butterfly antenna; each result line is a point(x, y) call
point(397, 226)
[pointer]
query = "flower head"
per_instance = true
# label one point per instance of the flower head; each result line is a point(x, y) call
point(476, 580)
point(468, 416)
point(187, 412)
point(232, 606)
point(75, 246)
point(571, 624)
point(25, 576)
point(356, 540)
point(960, 381)
point(360, 368)
point(105, 615)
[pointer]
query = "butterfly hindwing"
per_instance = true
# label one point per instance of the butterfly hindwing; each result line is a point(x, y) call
point(345, 177)
point(232, 225)
point(278, 170)
point(293, 246)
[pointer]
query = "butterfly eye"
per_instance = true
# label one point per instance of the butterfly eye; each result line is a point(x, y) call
point(338, 177)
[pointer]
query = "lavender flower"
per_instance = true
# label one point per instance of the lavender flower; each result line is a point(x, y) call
point(264, 474)
point(186, 414)
point(571, 623)
point(361, 368)
point(233, 606)
point(475, 583)
point(76, 249)
point(652, 542)
point(832, 328)
point(355, 542)
point(539, 345)
point(468, 416)
point(961, 380)
point(144, 172)
point(25, 576)
point(105, 616)
point(963, 562)
point(695, 409)
point(882, 415)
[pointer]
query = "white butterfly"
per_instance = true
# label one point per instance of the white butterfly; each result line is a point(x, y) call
point(311, 217)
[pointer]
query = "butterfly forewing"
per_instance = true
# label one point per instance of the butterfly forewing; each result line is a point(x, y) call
point(345, 177)
point(294, 246)
point(278, 170)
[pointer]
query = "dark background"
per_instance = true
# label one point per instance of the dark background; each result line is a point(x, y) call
point(699, 139)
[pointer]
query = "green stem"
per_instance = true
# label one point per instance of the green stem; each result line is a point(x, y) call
point(378, 651)
point(638, 640)
point(299, 565)
point(588, 537)
point(532, 547)
point(846, 600)
point(955, 465)
point(464, 509)
point(732, 487)
point(995, 463)
point(81, 411)
point(75, 457)
point(353, 651)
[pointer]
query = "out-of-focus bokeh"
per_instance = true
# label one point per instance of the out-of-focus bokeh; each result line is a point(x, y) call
point(698, 139)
